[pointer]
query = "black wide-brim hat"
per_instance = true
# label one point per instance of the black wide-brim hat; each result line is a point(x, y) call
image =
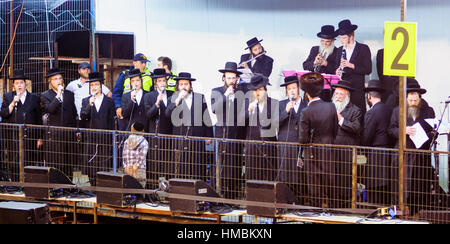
point(258, 81)
point(54, 71)
point(252, 42)
point(327, 32)
point(96, 76)
point(134, 73)
point(159, 73)
point(413, 85)
point(290, 79)
point(347, 85)
point(374, 85)
point(184, 76)
point(18, 74)
point(230, 67)
point(346, 27)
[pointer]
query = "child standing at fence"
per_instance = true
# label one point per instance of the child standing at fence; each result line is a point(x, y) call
point(135, 153)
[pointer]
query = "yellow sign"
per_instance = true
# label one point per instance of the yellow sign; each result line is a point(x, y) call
point(400, 49)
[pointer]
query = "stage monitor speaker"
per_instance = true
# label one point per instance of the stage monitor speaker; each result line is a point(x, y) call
point(23, 213)
point(117, 180)
point(267, 192)
point(189, 187)
point(45, 175)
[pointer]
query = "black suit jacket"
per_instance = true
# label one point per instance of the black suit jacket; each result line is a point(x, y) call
point(376, 124)
point(28, 113)
point(262, 125)
point(225, 110)
point(263, 64)
point(362, 60)
point(350, 131)
point(289, 128)
point(331, 59)
point(190, 122)
point(132, 112)
point(157, 115)
point(59, 114)
point(103, 119)
point(319, 123)
point(389, 83)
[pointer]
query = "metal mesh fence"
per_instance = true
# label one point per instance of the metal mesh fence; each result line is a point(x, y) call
point(326, 177)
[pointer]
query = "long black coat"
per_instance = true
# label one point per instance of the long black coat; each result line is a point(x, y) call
point(331, 59)
point(132, 112)
point(261, 159)
point(28, 113)
point(263, 64)
point(157, 115)
point(319, 123)
point(362, 60)
point(376, 124)
point(102, 119)
point(52, 106)
point(349, 132)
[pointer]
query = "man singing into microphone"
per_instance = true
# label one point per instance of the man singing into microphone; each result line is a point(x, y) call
point(58, 107)
point(133, 108)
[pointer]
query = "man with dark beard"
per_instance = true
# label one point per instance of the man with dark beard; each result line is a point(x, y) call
point(375, 134)
point(349, 120)
point(226, 104)
point(262, 64)
point(418, 169)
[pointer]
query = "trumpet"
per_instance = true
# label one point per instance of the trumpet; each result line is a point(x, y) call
point(250, 60)
point(317, 67)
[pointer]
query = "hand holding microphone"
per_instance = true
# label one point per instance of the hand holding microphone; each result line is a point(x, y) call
point(133, 94)
point(160, 96)
point(60, 92)
point(252, 106)
point(182, 95)
point(290, 104)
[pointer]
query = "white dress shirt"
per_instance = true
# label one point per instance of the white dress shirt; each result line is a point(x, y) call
point(98, 102)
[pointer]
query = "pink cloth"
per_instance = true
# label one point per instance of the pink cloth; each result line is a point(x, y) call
point(333, 79)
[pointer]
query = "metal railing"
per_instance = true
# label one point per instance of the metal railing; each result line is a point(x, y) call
point(326, 176)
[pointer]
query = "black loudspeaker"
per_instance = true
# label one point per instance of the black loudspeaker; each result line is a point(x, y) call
point(189, 187)
point(44, 175)
point(267, 192)
point(23, 213)
point(117, 180)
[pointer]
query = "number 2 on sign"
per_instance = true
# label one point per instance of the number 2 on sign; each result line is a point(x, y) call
point(395, 64)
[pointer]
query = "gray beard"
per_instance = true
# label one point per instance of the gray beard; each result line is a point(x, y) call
point(413, 113)
point(328, 51)
point(340, 106)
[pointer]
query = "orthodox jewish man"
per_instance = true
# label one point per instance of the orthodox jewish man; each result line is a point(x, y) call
point(58, 106)
point(318, 125)
point(226, 103)
point(353, 62)
point(98, 113)
point(261, 115)
point(322, 58)
point(349, 132)
point(289, 129)
point(418, 170)
point(260, 63)
point(21, 107)
point(133, 106)
point(190, 117)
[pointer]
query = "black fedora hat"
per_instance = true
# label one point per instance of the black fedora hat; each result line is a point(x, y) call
point(134, 73)
point(327, 32)
point(312, 83)
point(258, 81)
point(374, 85)
point(230, 67)
point(346, 27)
point(184, 76)
point(252, 42)
point(54, 71)
point(290, 79)
point(412, 85)
point(96, 76)
point(18, 74)
point(343, 84)
point(159, 73)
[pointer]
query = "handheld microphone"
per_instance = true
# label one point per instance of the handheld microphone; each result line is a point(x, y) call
point(163, 89)
point(291, 98)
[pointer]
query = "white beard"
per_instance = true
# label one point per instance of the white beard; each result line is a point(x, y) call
point(340, 106)
point(328, 50)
